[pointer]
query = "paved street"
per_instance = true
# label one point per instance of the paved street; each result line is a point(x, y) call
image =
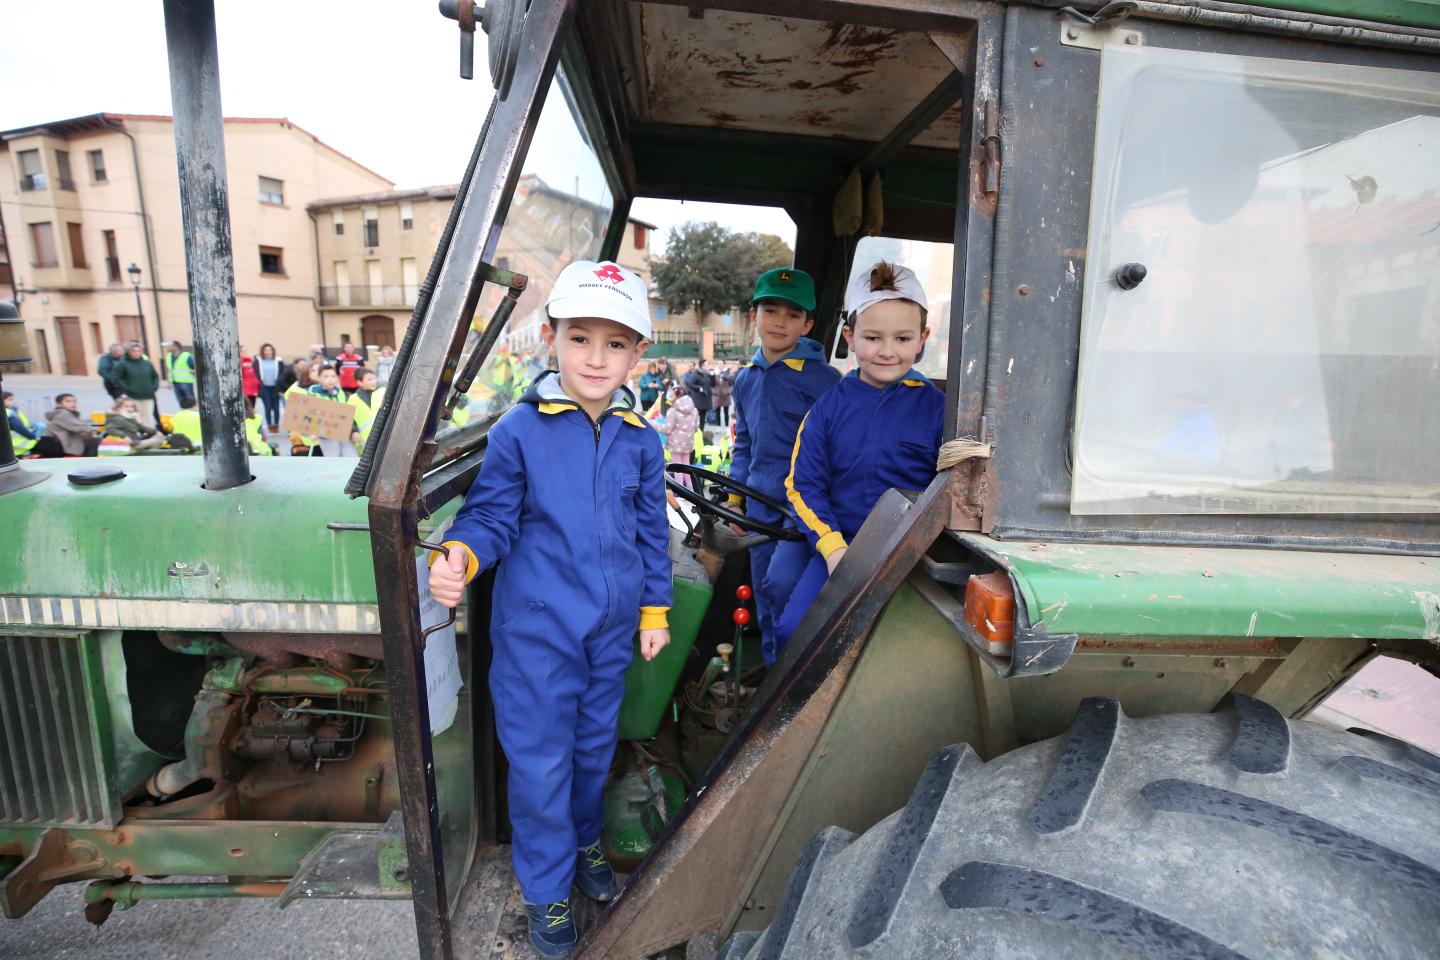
point(212, 930)
point(36, 393)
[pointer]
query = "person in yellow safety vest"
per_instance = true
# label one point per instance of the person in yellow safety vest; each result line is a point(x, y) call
point(365, 404)
point(299, 445)
point(186, 422)
point(180, 366)
point(22, 434)
point(705, 453)
point(253, 437)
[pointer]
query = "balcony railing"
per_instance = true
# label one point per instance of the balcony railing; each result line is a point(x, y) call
point(33, 181)
point(366, 295)
point(723, 338)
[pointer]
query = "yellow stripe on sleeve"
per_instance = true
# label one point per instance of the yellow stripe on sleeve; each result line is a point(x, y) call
point(802, 509)
point(472, 563)
point(654, 618)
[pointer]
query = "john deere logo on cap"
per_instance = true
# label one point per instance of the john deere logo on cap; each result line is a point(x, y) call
point(784, 277)
point(610, 272)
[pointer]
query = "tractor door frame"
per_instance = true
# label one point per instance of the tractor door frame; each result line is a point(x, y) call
point(402, 488)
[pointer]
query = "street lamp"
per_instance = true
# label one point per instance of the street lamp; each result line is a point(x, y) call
point(134, 272)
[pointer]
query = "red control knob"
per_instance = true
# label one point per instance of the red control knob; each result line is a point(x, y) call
point(741, 616)
point(744, 592)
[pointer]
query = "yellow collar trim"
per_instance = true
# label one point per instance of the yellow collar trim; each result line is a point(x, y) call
point(629, 416)
point(913, 383)
point(794, 363)
point(555, 406)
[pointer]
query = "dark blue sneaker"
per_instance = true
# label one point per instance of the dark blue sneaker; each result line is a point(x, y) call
point(593, 874)
point(552, 929)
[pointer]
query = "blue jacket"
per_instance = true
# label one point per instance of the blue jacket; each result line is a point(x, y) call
point(770, 401)
point(856, 443)
point(576, 509)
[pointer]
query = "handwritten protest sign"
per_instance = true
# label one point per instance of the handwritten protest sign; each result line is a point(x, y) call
point(313, 416)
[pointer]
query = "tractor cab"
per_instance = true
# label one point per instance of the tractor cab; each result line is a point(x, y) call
point(1180, 260)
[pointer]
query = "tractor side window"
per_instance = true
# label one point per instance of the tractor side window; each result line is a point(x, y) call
point(1261, 320)
point(559, 213)
point(933, 263)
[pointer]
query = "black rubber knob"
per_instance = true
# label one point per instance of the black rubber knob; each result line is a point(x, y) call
point(1128, 276)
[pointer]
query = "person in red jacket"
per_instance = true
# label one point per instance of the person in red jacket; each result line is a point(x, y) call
point(249, 381)
point(346, 364)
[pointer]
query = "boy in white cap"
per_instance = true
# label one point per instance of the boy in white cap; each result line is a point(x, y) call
point(571, 495)
point(878, 428)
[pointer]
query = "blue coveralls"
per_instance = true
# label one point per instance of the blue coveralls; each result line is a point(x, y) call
point(857, 442)
point(770, 401)
point(575, 509)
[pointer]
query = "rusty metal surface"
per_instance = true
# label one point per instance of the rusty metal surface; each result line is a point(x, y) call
point(692, 880)
point(975, 218)
point(338, 650)
point(781, 75)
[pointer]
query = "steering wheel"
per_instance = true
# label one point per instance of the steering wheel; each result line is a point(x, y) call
point(713, 508)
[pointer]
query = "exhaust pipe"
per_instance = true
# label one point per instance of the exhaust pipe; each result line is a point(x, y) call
point(209, 261)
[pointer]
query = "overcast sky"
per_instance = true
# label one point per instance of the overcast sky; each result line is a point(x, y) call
point(376, 79)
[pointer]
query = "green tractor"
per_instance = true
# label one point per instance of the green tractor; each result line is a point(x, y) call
point(1184, 267)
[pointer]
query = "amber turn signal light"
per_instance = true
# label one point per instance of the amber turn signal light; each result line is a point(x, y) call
point(990, 606)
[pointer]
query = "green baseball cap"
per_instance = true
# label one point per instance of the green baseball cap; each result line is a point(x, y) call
point(788, 284)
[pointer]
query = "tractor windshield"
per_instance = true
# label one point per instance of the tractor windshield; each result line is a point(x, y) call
point(559, 213)
point(1280, 351)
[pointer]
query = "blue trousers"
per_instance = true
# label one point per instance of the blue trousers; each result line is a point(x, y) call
point(183, 391)
point(774, 568)
point(557, 705)
point(802, 596)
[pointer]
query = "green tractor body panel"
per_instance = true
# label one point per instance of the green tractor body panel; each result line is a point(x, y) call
point(650, 684)
point(1110, 589)
point(156, 535)
point(1408, 13)
point(153, 550)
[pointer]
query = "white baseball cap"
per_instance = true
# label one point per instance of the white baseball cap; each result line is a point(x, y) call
point(605, 289)
point(907, 287)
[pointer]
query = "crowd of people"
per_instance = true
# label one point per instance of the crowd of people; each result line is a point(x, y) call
point(134, 421)
point(710, 385)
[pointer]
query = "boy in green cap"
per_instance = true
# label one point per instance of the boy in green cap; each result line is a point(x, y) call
point(771, 397)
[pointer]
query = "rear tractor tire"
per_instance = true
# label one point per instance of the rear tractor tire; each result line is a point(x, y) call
point(1224, 835)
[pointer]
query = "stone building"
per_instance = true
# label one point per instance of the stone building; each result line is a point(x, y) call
point(81, 200)
point(374, 249)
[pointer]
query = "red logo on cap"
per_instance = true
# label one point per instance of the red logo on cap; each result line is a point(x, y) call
point(610, 272)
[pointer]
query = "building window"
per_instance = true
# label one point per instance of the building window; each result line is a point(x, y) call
point(407, 215)
point(272, 261)
point(641, 234)
point(272, 191)
point(372, 226)
point(77, 246)
point(376, 281)
point(97, 166)
point(112, 257)
point(337, 219)
point(342, 284)
point(62, 170)
point(32, 177)
point(410, 280)
point(42, 241)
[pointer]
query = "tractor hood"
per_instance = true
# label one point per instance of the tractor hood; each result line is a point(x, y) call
point(154, 550)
